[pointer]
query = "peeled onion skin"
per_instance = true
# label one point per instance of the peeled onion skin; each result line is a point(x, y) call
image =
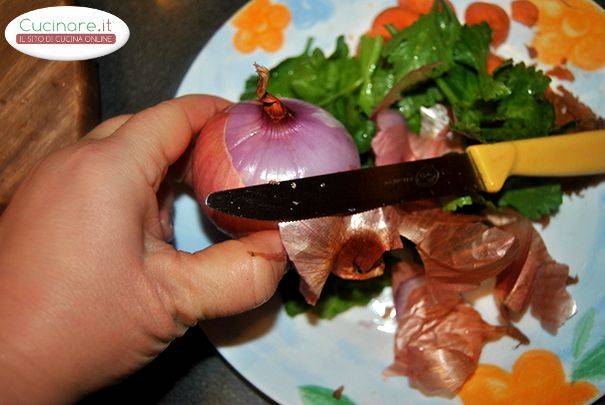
point(534, 279)
point(360, 257)
point(349, 246)
point(439, 337)
point(214, 171)
point(396, 143)
point(419, 217)
point(456, 249)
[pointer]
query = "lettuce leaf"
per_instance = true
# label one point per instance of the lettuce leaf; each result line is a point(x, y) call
point(337, 296)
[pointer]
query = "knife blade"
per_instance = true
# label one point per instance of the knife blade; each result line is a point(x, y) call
point(350, 192)
point(483, 167)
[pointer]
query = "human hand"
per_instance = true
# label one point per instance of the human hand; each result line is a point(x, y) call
point(90, 290)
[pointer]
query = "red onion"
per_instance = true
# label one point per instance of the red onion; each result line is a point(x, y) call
point(264, 140)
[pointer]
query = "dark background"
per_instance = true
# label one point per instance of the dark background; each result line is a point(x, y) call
point(165, 38)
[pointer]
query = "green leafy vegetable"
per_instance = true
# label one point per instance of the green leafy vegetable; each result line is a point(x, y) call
point(456, 203)
point(534, 201)
point(472, 50)
point(409, 106)
point(337, 296)
point(428, 41)
point(369, 54)
point(513, 107)
point(475, 201)
point(363, 135)
point(460, 86)
point(313, 77)
point(509, 105)
point(448, 63)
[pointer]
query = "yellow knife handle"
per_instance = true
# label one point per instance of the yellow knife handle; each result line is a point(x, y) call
point(562, 155)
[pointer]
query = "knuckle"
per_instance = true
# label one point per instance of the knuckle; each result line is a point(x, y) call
point(89, 157)
point(179, 291)
point(108, 127)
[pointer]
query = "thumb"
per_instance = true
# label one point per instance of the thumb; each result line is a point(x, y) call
point(223, 279)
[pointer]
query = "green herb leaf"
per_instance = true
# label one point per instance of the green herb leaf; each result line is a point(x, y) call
point(456, 203)
point(460, 85)
point(525, 113)
point(363, 136)
point(369, 53)
point(333, 305)
point(509, 106)
point(411, 80)
point(523, 79)
point(533, 202)
point(295, 307)
point(582, 332)
point(316, 395)
point(423, 96)
point(313, 77)
point(472, 48)
point(374, 92)
point(428, 41)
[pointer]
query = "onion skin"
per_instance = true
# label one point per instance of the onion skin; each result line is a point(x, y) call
point(350, 246)
point(249, 143)
point(439, 337)
point(534, 279)
point(396, 143)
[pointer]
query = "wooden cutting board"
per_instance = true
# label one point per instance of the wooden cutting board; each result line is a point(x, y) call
point(44, 105)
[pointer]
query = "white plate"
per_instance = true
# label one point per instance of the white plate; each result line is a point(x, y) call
point(279, 354)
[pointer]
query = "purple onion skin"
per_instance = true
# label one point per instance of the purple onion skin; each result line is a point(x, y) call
point(310, 142)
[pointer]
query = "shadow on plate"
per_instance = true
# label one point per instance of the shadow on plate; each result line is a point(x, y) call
point(209, 229)
point(245, 327)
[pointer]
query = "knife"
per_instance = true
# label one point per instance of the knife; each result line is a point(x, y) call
point(481, 168)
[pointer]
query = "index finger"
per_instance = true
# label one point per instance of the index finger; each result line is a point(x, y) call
point(156, 137)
